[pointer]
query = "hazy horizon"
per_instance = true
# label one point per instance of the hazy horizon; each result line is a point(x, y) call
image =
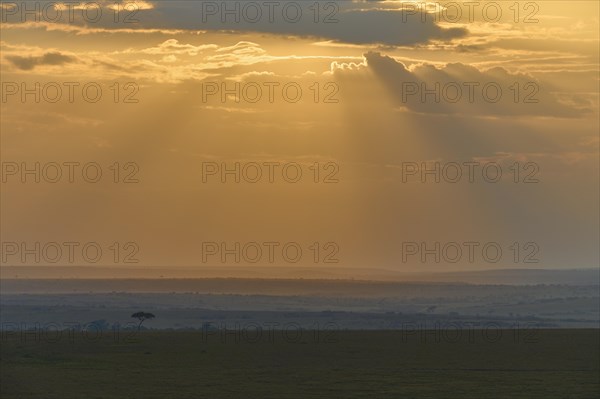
point(489, 276)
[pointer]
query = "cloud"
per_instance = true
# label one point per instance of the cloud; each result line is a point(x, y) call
point(30, 62)
point(344, 22)
point(336, 21)
point(456, 88)
point(80, 29)
point(172, 46)
point(170, 61)
point(136, 5)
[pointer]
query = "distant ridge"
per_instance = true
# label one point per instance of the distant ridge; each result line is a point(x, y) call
point(39, 278)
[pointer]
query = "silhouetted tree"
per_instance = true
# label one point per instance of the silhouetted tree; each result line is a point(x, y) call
point(141, 316)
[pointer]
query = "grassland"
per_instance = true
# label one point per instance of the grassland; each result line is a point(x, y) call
point(344, 364)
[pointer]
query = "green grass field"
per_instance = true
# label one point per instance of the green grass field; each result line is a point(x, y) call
point(350, 364)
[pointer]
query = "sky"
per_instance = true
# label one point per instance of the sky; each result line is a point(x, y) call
point(397, 135)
